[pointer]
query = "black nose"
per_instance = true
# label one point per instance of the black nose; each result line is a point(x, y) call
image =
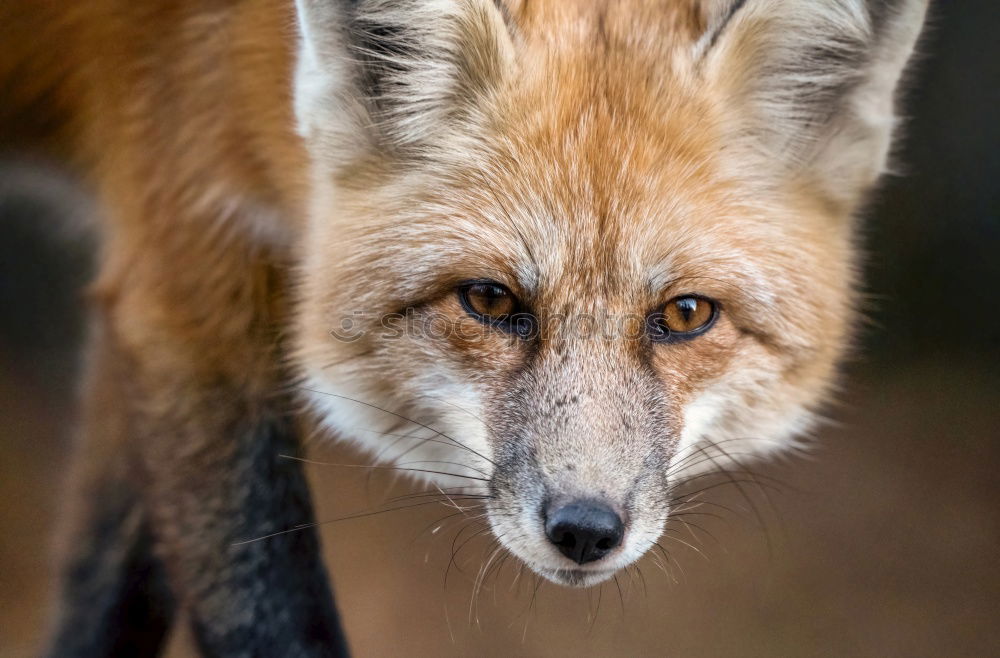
point(584, 531)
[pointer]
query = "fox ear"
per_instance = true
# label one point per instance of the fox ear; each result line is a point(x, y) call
point(810, 84)
point(397, 74)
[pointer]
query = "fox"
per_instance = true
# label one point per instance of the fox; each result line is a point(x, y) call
point(559, 257)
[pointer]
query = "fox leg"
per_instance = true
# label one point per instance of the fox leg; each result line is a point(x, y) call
point(247, 590)
point(113, 594)
point(196, 360)
point(114, 598)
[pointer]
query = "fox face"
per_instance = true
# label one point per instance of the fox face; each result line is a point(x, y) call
point(564, 256)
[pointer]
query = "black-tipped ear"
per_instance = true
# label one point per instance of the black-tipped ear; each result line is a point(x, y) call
point(415, 68)
point(810, 85)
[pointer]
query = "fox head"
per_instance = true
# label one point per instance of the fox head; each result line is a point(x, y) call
point(564, 254)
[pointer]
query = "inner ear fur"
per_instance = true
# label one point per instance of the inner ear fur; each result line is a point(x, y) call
point(809, 86)
point(416, 67)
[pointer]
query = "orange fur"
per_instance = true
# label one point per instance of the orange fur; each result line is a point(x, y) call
point(269, 170)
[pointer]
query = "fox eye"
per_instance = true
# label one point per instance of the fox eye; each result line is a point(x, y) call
point(493, 304)
point(682, 318)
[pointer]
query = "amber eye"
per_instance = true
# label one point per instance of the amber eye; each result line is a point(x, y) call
point(495, 305)
point(682, 318)
point(489, 301)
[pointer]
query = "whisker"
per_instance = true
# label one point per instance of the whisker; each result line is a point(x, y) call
point(457, 406)
point(378, 467)
point(437, 461)
point(393, 413)
point(317, 524)
point(621, 597)
point(753, 506)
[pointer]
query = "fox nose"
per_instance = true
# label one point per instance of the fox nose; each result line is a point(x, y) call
point(584, 531)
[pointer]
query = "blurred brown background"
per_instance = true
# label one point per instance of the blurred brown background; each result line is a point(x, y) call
point(885, 543)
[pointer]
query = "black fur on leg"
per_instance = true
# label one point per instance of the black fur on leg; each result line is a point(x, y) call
point(273, 597)
point(114, 598)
